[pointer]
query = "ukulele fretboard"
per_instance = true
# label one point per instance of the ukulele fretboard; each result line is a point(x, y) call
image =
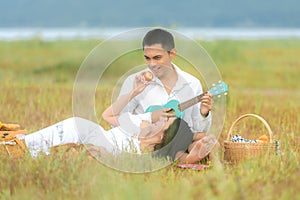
point(190, 102)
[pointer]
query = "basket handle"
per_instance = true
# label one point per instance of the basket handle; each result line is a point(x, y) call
point(252, 115)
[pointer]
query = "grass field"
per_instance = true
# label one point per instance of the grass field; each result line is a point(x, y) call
point(36, 91)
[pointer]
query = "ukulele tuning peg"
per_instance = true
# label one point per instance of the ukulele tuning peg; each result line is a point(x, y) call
point(225, 93)
point(220, 81)
point(219, 96)
point(213, 85)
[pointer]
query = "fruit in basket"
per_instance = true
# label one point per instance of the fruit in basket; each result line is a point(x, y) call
point(148, 75)
point(264, 138)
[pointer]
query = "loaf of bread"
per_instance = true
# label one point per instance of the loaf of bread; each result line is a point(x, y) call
point(9, 127)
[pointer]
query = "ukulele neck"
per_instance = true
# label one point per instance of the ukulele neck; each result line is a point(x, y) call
point(190, 102)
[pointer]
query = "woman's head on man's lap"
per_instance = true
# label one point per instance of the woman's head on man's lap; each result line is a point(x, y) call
point(177, 137)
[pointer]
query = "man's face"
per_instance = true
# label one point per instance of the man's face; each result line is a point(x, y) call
point(158, 59)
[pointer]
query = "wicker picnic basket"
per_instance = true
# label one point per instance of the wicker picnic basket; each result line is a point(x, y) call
point(238, 151)
point(11, 145)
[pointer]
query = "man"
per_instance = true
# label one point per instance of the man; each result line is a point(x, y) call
point(170, 82)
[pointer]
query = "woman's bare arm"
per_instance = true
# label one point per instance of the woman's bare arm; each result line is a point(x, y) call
point(112, 113)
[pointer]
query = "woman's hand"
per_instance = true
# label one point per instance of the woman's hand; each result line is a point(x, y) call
point(140, 83)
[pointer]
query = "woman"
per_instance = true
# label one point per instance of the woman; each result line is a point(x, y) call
point(131, 132)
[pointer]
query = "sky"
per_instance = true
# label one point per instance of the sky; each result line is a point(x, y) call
point(137, 13)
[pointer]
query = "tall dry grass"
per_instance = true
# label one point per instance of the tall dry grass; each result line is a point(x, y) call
point(36, 91)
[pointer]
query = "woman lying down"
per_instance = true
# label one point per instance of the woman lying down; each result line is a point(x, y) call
point(168, 137)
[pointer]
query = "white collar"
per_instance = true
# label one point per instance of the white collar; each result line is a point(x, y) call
point(182, 80)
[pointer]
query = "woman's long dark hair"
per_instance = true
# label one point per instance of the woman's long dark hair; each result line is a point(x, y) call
point(176, 138)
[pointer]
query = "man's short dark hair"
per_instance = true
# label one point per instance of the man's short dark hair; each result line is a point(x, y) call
point(159, 36)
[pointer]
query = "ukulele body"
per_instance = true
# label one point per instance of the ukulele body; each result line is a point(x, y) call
point(173, 104)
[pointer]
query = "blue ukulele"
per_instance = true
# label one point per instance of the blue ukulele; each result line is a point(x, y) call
point(178, 108)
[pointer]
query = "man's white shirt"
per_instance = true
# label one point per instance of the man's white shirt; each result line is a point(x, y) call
point(186, 88)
